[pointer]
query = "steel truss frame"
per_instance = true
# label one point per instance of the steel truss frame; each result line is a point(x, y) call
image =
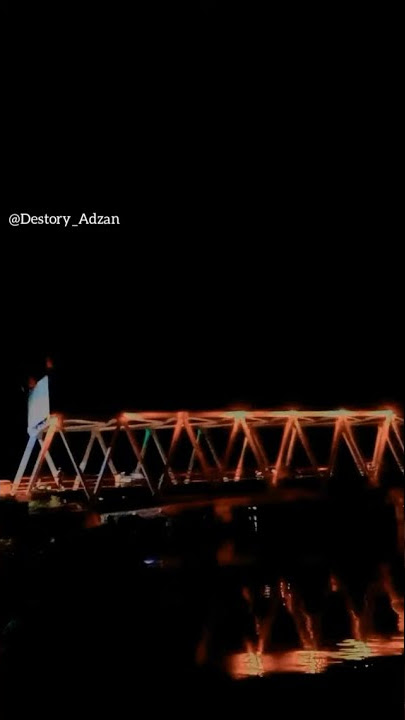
point(199, 429)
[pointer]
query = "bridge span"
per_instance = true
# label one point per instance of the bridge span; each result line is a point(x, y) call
point(156, 449)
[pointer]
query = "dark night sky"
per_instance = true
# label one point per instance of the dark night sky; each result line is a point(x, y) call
point(250, 161)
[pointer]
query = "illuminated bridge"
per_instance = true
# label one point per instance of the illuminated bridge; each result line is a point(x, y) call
point(157, 449)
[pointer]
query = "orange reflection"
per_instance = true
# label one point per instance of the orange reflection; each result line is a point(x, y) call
point(396, 600)
point(226, 553)
point(92, 519)
point(312, 661)
point(333, 582)
point(224, 512)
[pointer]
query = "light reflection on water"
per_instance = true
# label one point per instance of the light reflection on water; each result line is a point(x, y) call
point(312, 661)
point(309, 649)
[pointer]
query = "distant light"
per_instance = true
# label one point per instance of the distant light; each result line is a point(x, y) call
point(337, 413)
point(55, 421)
point(238, 414)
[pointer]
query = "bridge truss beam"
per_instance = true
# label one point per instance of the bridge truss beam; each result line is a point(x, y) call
point(215, 445)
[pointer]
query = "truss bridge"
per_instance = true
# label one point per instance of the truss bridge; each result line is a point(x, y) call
point(156, 449)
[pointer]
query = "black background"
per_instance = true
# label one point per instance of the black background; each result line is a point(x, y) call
point(251, 157)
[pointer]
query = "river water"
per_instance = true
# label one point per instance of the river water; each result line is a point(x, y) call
point(239, 590)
